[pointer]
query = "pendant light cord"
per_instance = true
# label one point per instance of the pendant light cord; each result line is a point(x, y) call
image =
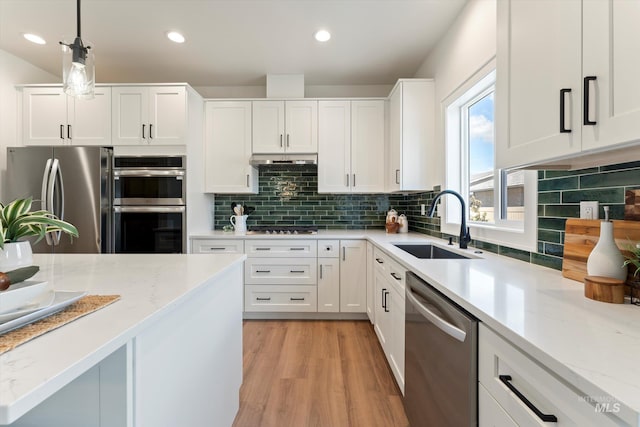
point(78, 18)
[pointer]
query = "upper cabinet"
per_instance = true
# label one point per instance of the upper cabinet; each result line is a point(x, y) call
point(285, 126)
point(571, 88)
point(149, 115)
point(50, 117)
point(228, 148)
point(411, 136)
point(351, 146)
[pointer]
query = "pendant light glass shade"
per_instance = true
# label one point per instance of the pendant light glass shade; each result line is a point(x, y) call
point(78, 70)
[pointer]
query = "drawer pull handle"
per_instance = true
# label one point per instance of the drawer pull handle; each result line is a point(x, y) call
point(547, 418)
point(395, 276)
point(296, 271)
point(263, 299)
point(296, 249)
point(379, 261)
point(384, 296)
point(216, 249)
point(263, 249)
point(263, 271)
point(296, 299)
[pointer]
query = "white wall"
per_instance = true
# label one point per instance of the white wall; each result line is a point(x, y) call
point(468, 45)
point(13, 71)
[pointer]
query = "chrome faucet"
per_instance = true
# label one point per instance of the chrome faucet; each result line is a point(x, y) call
point(465, 236)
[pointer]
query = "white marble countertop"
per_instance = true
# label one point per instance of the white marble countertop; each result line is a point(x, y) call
point(149, 285)
point(591, 344)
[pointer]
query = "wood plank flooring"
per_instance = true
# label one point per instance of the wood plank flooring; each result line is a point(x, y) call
point(316, 373)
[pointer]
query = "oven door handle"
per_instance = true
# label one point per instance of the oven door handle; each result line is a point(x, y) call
point(148, 172)
point(148, 209)
point(436, 320)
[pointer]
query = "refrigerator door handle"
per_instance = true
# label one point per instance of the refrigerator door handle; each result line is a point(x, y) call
point(52, 190)
point(44, 194)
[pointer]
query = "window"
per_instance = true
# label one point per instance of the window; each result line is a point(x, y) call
point(497, 199)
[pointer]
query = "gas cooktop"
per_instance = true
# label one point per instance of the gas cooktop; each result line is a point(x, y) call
point(282, 229)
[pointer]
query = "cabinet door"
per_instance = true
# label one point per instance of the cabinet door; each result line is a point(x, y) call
point(395, 302)
point(611, 41)
point(538, 55)
point(382, 323)
point(228, 148)
point(90, 120)
point(268, 126)
point(168, 115)
point(370, 284)
point(129, 112)
point(44, 116)
point(353, 270)
point(334, 147)
point(490, 413)
point(367, 146)
point(395, 140)
point(301, 126)
point(328, 285)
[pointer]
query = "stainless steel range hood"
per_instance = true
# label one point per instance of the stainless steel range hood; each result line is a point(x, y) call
point(283, 159)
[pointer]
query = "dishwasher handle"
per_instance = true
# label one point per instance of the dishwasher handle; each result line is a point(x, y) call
point(436, 320)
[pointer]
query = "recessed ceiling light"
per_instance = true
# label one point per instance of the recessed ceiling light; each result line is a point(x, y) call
point(33, 38)
point(175, 36)
point(322, 35)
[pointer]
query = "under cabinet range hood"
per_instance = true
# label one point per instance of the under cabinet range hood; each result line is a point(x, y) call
point(283, 159)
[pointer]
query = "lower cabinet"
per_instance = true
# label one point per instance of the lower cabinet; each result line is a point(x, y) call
point(370, 284)
point(328, 285)
point(528, 394)
point(353, 273)
point(217, 246)
point(280, 298)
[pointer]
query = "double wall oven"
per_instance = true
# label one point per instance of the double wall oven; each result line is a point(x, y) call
point(149, 204)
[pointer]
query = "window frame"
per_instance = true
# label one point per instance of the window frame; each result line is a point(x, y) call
point(515, 234)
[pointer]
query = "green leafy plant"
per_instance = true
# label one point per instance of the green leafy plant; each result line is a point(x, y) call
point(16, 222)
point(634, 258)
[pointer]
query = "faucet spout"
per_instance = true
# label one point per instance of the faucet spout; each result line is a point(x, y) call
point(465, 236)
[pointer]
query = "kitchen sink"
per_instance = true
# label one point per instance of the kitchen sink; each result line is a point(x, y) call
point(428, 251)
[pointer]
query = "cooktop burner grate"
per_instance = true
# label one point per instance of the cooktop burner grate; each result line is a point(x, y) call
point(282, 229)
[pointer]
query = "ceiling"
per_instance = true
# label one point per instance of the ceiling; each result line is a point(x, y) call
point(234, 42)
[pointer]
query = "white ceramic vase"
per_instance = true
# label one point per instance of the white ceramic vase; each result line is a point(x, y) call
point(606, 259)
point(15, 255)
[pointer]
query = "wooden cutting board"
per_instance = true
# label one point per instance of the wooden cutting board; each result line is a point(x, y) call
point(581, 235)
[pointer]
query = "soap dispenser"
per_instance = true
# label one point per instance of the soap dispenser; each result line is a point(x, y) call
point(605, 259)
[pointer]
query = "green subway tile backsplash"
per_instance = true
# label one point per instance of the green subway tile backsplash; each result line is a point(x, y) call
point(288, 195)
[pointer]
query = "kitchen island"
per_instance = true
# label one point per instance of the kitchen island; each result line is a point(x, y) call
point(168, 353)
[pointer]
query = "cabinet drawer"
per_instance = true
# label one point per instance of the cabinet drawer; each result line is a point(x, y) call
point(328, 248)
point(397, 276)
point(285, 271)
point(215, 246)
point(280, 298)
point(549, 394)
point(380, 260)
point(281, 248)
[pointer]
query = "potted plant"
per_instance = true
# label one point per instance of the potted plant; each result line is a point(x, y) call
point(18, 222)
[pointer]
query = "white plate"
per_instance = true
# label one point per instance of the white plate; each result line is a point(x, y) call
point(43, 301)
point(23, 295)
point(61, 300)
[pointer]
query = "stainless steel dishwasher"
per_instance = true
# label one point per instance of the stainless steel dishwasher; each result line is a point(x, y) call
point(441, 359)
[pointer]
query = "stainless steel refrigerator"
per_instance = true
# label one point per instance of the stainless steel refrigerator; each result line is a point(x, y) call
point(74, 183)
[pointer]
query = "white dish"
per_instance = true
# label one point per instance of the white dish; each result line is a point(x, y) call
point(44, 301)
point(61, 300)
point(24, 295)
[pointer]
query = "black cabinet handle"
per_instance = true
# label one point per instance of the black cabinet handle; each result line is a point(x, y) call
point(61, 131)
point(563, 93)
point(68, 131)
point(585, 108)
point(383, 299)
point(143, 126)
point(263, 299)
point(296, 271)
point(296, 299)
point(150, 131)
point(395, 276)
point(263, 249)
point(379, 261)
point(217, 249)
point(263, 271)
point(296, 249)
point(547, 418)
point(386, 309)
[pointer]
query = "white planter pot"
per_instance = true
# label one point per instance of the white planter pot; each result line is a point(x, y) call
point(15, 255)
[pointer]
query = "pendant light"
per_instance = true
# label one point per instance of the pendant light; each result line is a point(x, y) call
point(78, 71)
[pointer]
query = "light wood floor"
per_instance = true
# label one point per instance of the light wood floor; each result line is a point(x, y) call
point(316, 373)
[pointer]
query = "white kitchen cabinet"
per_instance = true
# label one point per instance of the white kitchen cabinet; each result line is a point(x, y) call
point(382, 326)
point(228, 148)
point(285, 126)
point(217, 246)
point(351, 136)
point(328, 285)
point(371, 284)
point(510, 377)
point(149, 115)
point(353, 270)
point(50, 117)
point(490, 413)
point(411, 136)
point(586, 102)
